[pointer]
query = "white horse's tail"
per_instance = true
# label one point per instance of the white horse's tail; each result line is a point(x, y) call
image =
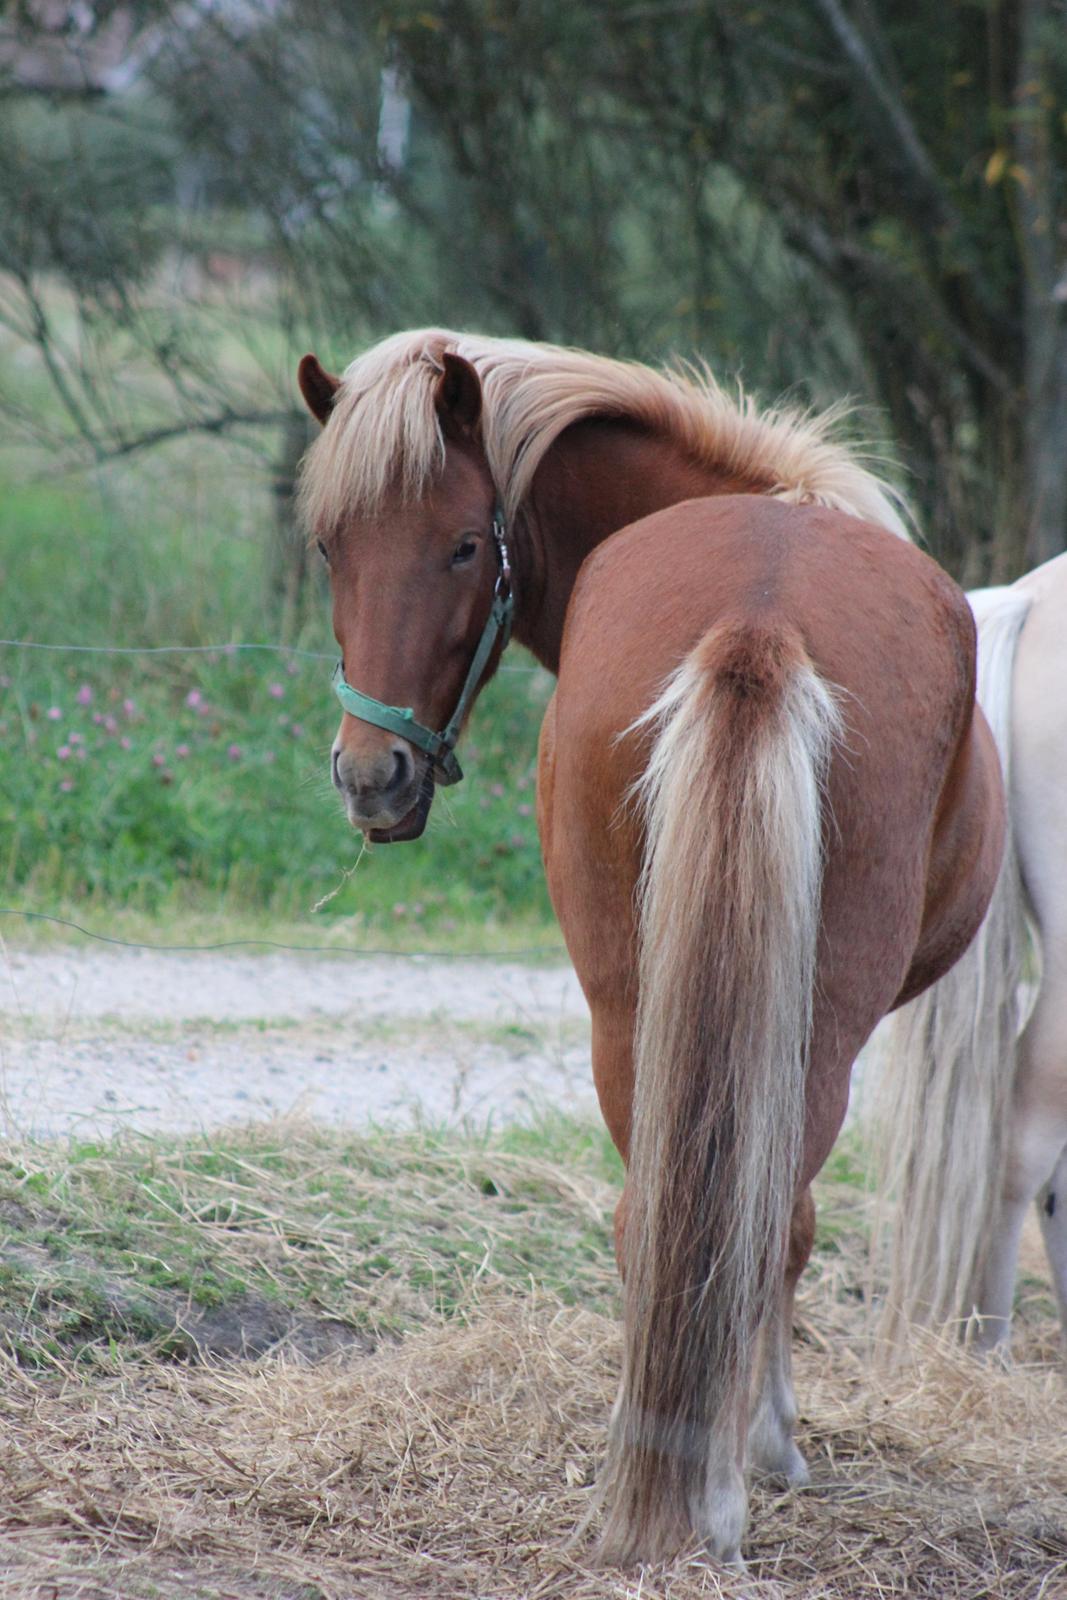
point(944, 1096)
point(730, 901)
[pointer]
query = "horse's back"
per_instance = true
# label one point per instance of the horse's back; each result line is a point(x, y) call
point(912, 828)
point(876, 615)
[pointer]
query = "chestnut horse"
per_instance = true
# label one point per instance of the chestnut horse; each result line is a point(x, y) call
point(974, 1107)
point(768, 810)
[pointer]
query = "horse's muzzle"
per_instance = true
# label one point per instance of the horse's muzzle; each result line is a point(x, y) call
point(387, 795)
point(411, 826)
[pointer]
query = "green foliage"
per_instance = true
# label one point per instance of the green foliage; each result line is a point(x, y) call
point(56, 164)
point(129, 779)
point(835, 199)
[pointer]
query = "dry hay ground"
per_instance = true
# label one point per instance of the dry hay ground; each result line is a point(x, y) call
point(455, 1458)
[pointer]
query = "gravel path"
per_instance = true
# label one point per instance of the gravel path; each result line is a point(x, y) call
point(93, 1040)
point(96, 1040)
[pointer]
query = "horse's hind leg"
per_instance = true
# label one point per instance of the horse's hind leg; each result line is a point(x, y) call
point(1035, 1149)
point(771, 1447)
point(1052, 1209)
point(1038, 1135)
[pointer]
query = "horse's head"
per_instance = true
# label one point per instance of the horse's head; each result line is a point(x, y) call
point(414, 583)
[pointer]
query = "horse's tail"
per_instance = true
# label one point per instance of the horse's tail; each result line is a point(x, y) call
point(729, 917)
point(944, 1097)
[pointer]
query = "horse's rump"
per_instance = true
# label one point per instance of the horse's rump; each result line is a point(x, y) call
point(879, 621)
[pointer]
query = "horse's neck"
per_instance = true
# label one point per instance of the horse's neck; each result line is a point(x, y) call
point(598, 477)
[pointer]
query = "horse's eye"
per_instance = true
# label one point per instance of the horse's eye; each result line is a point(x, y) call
point(323, 552)
point(465, 551)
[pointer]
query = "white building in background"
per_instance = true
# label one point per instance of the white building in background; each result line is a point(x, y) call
point(63, 47)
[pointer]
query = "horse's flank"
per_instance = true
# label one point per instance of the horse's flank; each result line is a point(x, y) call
point(385, 432)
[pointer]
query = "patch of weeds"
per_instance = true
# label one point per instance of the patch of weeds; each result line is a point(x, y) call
point(36, 1183)
point(842, 1197)
point(320, 1236)
point(849, 1162)
point(150, 1240)
point(48, 1308)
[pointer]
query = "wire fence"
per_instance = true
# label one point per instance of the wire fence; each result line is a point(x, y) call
point(164, 649)
point(196, 650)
point(230, 649)
point(496, 955)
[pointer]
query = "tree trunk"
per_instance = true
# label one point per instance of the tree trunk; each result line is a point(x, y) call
point(288, 565)
point(1046, 445)
point(1044, 325)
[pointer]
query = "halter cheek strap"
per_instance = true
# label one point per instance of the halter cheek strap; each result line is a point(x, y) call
point(440, 747)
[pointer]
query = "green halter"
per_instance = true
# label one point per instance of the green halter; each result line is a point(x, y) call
point(440, 747)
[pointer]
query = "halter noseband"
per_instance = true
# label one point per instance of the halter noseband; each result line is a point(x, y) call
point(440, 747)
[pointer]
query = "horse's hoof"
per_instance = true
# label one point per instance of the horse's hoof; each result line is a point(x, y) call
point(788, 1468)
point(796, 1473)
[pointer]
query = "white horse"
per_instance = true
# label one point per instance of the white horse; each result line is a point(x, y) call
point(973, 1101)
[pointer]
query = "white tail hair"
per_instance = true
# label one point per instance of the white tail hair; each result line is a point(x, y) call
point(943, 1101)
point(729, 916)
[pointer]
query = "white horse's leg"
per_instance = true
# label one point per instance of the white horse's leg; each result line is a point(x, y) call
point(1052, 1209)
point(997, 1291)
point(1036, 1145)
point(1038, 783)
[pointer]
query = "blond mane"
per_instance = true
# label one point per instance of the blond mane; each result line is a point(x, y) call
point(384, 431)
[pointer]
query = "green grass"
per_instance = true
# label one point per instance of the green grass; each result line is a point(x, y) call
point(843, 1195)
point(150, 1247)
point(189, 917)
point(197, 786)
point(164, 1247)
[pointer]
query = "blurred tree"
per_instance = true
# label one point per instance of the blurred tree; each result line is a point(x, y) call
point(263, 141)
point(834, 194)
point(267, 177)
point(917, 166)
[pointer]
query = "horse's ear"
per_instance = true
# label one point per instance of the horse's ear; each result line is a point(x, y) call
point(458, 397)
point(318, 387)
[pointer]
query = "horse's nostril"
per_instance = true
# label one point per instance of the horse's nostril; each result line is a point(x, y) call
point(401, 770)
point(369, 782)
